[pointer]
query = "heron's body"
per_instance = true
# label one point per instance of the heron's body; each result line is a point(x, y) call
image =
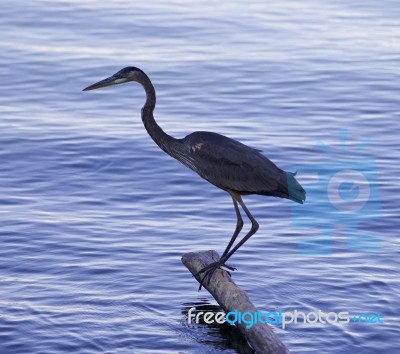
point(224, 162)
point(231, 165)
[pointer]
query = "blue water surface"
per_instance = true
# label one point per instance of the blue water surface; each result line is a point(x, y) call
point(94, 217)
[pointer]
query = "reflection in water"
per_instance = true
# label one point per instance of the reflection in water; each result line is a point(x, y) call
point(221, 335)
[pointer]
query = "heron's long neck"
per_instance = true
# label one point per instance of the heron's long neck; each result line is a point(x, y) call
point(162, 139)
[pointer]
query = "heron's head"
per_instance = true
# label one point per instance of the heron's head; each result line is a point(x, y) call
point(127, 74)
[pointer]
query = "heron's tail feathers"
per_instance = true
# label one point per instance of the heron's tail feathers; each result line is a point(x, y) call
point(288, 188)
point(295, 191)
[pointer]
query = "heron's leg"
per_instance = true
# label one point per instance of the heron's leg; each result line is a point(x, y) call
point(239, 224)
point(210, 269)
point(253, 230)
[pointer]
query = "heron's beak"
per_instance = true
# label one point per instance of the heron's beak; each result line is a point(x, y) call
point(112, 80)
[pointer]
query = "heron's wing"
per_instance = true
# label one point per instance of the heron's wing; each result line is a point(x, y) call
point(230, 164)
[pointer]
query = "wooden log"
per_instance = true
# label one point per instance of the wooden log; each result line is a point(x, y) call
point(230, 297)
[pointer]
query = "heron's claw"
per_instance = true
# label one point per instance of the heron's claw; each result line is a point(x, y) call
point(210, 269)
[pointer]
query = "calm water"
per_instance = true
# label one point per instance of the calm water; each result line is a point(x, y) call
point(94, 217)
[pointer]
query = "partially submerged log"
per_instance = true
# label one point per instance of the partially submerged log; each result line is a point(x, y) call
point(230, 297)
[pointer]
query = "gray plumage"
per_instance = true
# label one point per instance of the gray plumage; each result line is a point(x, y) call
point(229, 164)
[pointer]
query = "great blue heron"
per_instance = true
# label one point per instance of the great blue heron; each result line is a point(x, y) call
point(226, 163)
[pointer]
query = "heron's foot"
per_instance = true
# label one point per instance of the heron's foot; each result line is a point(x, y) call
point(210, 269)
